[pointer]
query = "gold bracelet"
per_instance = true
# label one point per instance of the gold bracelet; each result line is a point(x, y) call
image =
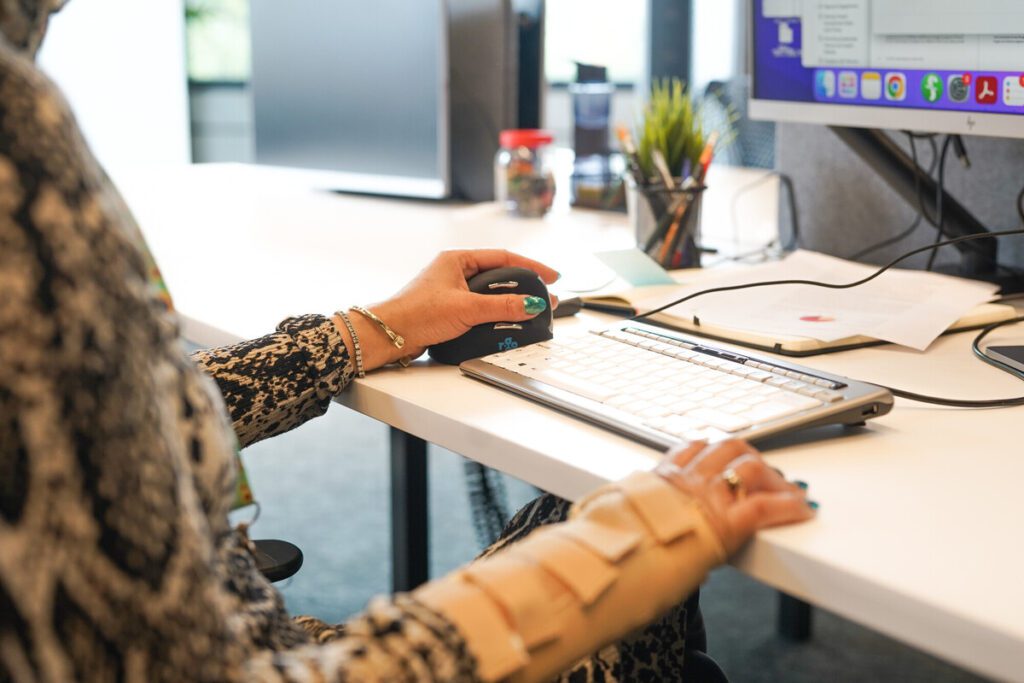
point(357, 351)
point(396, 339)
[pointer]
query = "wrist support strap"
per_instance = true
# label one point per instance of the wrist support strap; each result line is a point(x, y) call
point(629, 552)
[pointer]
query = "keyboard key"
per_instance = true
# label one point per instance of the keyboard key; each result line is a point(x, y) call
point(800, 402)
point(676, 425)
point(699, 396)
point(719, 419)
point(619, 400)
point(733, 394)
point(716, 402)
point(562, 380)
point(654, 411)
point(770, 410)
point(828, 395)
point(682, 406)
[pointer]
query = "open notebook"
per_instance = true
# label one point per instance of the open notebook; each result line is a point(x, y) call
point(936, 304)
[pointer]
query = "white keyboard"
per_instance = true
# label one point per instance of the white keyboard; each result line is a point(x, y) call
point(662, 387)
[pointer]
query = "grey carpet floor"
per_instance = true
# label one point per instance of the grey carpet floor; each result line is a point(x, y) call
point(324, 487)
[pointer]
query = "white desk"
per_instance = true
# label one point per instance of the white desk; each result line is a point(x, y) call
point(918, 533)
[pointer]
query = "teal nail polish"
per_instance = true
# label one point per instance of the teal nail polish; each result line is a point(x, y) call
point(801, 484)
point(813, 504)
point(535, 305)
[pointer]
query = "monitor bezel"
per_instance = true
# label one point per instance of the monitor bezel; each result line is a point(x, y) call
point(868, 116)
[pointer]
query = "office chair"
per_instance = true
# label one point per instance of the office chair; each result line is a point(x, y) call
point(277, 560)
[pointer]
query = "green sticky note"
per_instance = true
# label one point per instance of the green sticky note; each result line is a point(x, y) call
point(635, 267)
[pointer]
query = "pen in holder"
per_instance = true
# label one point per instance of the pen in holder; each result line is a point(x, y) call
point(666, 222)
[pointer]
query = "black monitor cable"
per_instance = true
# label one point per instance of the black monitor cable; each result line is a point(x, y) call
point(956, 142)
point(995, 362)
point(956, 403)
point(939, 197)
point(921, 213)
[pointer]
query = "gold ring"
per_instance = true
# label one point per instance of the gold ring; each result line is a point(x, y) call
point(735, 482)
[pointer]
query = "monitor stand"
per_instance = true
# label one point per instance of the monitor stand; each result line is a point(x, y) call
point(898, 170)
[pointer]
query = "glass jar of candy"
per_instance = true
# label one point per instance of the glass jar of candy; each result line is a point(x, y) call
point(523, 180)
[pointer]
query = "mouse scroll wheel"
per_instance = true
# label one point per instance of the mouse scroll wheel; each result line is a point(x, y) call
point(509, 284)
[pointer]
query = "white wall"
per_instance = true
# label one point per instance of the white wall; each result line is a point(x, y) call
point(121, 64)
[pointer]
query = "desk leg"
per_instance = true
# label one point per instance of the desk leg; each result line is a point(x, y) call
point(408, 511)
point(794, 618)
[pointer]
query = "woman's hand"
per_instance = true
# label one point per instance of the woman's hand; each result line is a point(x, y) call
point(437, 305)
point(739, 491)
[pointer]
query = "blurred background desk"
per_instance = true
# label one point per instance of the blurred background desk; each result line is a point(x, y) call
point(920, 512)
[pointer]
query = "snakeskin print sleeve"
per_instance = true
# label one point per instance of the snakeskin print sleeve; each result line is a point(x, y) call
point(277, 382)
point(117, 561)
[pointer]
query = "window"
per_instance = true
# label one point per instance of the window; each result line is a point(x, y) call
point(611, 33)
point(218, 40)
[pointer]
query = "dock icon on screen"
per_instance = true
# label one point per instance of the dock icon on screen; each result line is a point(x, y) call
point(1013, 91)
point(871, 85)
point(895, 86)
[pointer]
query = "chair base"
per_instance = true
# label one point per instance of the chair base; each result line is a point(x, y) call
point(277, 560)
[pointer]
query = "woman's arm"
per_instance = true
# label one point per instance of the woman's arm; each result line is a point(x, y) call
point(629, 552)
point(277, 382)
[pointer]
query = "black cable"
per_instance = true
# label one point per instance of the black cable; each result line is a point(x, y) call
point(488, 502)
point(930, 137)
point(980, 353)
point(939, 197)
point(829, 285)
point(794, 219)
point(956, 403)
point(909, 230)
point(1020, 204)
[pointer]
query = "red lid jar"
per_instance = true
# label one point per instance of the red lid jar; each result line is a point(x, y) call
point(523, 180)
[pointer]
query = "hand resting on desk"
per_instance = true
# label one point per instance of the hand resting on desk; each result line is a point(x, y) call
point(758, 497)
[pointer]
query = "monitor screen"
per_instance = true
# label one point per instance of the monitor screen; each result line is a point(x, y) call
point(935, 65)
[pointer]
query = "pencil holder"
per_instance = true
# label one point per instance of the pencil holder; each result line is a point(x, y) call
point(666, 222)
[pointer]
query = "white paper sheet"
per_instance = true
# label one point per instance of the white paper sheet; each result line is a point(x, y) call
point(906, 307)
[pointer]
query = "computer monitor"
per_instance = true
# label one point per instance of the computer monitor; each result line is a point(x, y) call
point(945, 66)
point(394, 97)
point(354, 93)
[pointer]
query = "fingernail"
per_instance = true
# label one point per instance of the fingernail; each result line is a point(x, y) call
point(813, 504)
point(801, 484)
point(535, 304)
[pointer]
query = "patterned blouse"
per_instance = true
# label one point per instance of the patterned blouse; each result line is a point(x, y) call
point(117, 471)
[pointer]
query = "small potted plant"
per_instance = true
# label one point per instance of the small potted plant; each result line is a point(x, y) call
point(668, 163)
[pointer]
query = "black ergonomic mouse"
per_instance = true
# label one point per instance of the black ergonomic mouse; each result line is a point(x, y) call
point(491, 338)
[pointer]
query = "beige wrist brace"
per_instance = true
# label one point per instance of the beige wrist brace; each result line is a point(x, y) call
point(629, 552)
